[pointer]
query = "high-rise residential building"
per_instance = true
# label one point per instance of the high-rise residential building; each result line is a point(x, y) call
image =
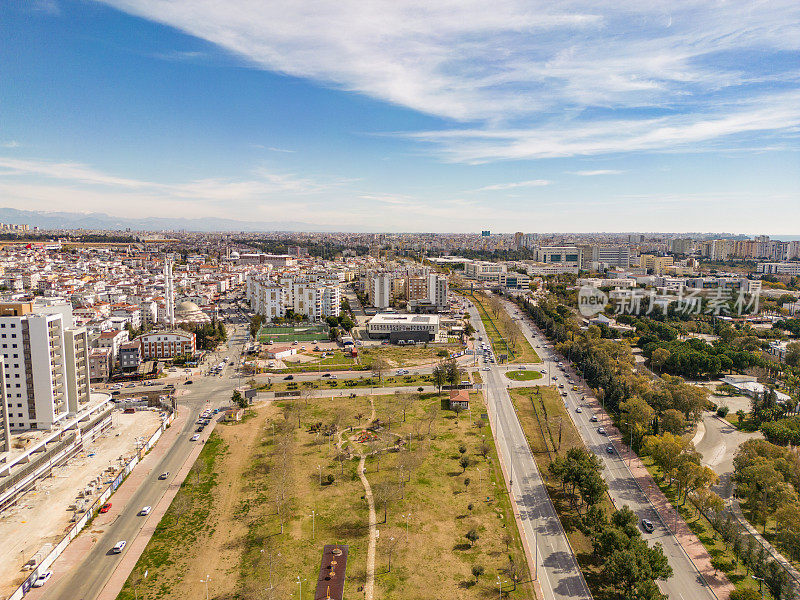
point(76, 346)
point(438, 288)
point(379, 290)
point(615, 256)
point(416, 288)
point(682, 246)
point(5, 427)
point(46, 365)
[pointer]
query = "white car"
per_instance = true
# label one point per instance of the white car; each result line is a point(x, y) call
point(42, 579)
point(579, 409)
point(145, 511)
point(195, 437)
point(119, 547)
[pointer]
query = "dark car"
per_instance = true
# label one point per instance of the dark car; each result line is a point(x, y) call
point(648, 526)
point(164, 475)
point(188, 382)
point(326, 374)
point(610, 449)
point(288, 377)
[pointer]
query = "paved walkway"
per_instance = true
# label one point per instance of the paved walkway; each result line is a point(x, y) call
point(688, 541)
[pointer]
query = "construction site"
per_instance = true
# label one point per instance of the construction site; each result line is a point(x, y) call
point(38, 517)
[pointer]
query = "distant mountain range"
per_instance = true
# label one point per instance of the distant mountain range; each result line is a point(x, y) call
point(71, 220)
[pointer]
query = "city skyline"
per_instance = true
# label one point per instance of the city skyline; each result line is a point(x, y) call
point(402, 118)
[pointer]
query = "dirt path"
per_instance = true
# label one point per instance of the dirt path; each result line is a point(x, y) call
point(369, 586)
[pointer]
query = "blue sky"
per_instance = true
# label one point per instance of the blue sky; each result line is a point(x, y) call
point(406, 116)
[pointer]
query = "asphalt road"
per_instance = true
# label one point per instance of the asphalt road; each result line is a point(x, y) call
point(88, 579)
point(718, 447)
point(686, 583)
point(558, 571)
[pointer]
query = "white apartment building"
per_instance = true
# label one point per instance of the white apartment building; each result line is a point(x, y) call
point(379, 290)
point(566, 256)
point(45, 363)
point(149, 313)
point(316, 302)
point(438, 289)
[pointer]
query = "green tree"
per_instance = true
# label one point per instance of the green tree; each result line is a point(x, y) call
point(472, 536)
point(238, 400)
point(673, 421)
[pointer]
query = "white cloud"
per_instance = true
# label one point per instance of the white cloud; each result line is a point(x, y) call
point(694, 132)
point(10, 144)
point(517, 184)
point(508, 59)
point(597, 172)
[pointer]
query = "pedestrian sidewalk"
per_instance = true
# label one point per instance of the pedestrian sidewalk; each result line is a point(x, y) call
point(692, 546)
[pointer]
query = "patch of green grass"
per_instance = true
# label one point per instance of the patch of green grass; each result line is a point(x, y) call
point(523, 375)
point(185, 519)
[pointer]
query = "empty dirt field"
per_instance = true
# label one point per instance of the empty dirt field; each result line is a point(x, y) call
point(266, 494)
point(42, 515)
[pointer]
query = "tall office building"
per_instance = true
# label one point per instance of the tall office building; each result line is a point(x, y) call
point(46, 364)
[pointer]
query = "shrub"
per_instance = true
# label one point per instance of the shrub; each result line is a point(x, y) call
point(722, 411)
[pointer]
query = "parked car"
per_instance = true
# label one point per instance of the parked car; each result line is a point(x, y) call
point(195, 437)
point(610, 449)
point(579, 409)
point(119, 547)
point(601, 430)
point(188, 382)
point(42, 579)
point(145, 511)
point(288, 378)
point(326, 374)
point(593, 419)
point(130, 385)
point(105, 508)
point(648, 526)
point(164, 475)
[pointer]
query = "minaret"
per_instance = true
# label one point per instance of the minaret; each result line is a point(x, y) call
point(169, 293)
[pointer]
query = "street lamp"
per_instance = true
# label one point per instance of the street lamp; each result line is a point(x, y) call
point(406, 517)
point(299, 583)
point(313, 523)
point(206, 582)
point(500, 583)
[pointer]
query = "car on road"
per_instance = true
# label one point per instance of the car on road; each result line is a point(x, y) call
point(119, 547)
point(188, 382)
point(288, 378)
point(130, 385)
point(564, 394)
point(42, 579)
point(648, 526)
point(542, 371)
point(105, 508)
point(145, 511)
point(199, 429)
point(326, 374)
point(593, 419)
point(554, 377)
point(610, 449)
point(164, 475)
point(487, 369)
point(561, 385)
point(601, 430)
point(579, 409)
point(195, 437)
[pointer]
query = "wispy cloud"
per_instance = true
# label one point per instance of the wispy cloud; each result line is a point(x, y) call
point(597, 172)
point(513, 185)
point(263, 184)
point(516, 61)
point(10, 144)
point(272, 149)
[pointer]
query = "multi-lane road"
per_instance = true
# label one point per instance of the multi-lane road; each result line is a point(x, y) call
point(686, 582)
point(87, 580)
point(555, 566)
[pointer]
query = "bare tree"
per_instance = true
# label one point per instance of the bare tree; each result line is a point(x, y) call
point(431, 414)
point(484, 448)
point(197, 468)
point(379, 367)
point(385, 492)
point(136, 578)
point(389, 546)
point(180, 506)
